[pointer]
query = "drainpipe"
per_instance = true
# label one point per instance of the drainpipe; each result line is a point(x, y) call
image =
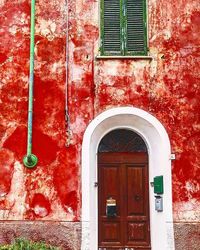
point(67, 117)
point(30, 160)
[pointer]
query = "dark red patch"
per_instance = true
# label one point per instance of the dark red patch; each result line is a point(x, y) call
point(48, 99)
point(6, 171)
point(51, 51)
point(71, 200)
point(16, 142)
point(40, 205)
point(3, 58)
point(43, 146)
point(13, 94)
point(66, 179)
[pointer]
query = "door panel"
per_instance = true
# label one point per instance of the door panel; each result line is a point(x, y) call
point(137, 234)
point(111, 232)
point(135, 178)
point(136, 231)
point(111, 227)
point(124, 177)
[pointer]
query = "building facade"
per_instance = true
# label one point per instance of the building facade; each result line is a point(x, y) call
point(85, 87)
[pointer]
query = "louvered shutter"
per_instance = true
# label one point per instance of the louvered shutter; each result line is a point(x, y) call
point(136, 27)
point(123, 27)
point(111, 27)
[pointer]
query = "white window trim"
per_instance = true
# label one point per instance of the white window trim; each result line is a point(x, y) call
point(157, 141)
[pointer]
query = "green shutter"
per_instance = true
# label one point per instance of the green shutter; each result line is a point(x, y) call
point(123, 27)
point(136, 43)
point(111, 27)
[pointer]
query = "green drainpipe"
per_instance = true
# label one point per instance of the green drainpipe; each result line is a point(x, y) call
point(30, 160)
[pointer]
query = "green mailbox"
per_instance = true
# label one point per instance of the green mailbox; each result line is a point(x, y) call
point(158, 184)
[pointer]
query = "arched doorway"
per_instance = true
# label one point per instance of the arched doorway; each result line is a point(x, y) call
point(159, 161)
point(123, 192)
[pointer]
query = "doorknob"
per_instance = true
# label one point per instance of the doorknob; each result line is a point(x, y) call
point(137, 197)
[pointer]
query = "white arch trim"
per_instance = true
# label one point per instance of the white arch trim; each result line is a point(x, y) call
point(157, 141)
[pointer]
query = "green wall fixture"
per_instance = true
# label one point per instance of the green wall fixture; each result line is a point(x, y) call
point(30, 160)
point(158, 184)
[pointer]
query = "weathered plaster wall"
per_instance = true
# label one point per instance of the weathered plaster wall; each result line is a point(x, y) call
point(50, 191)
point(168, 86)
point(66, 45)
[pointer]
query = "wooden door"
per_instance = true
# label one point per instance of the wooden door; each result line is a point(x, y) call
point(124, 177)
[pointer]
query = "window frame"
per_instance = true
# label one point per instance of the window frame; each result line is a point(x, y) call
point(123, 32)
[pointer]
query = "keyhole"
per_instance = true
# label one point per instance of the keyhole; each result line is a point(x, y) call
point(137, 197)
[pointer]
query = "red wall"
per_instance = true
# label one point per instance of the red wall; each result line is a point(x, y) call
point(166, 86)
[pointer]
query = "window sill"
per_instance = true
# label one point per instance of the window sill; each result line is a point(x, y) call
point(125, 57)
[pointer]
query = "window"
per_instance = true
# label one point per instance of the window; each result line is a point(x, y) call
point(122, 140)
point(123, 27)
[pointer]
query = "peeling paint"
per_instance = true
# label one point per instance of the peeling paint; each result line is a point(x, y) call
point(166, 86)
